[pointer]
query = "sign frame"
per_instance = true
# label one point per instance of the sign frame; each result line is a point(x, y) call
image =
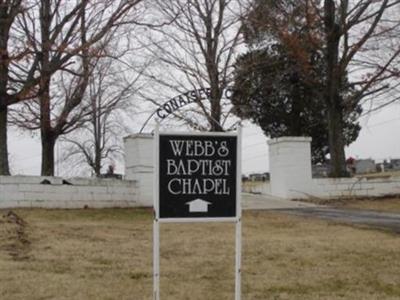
point(157, 174)
point(156, 197)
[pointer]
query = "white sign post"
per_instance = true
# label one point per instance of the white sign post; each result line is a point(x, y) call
point(156, 223)
point(197, 178)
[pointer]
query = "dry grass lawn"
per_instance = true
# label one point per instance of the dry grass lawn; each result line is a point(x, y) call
point(107, 254)
point(382, 204)
point(379, 204)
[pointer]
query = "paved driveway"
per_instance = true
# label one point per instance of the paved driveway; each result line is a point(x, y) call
point(352, 216)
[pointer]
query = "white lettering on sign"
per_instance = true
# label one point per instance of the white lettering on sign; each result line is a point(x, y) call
point(189, 186)
point(202, 167)
point(199, 158)
point(198, 148)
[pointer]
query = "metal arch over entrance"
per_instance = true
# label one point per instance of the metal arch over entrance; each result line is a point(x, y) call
point(175, 103)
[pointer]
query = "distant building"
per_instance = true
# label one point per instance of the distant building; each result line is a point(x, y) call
point(259, 176)
point(358, 166)
point(392, 165)
point(386, 166)
point(364, 166)
point(395, 164)
point(354, 166)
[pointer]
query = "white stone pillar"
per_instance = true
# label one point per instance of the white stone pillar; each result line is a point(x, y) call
point(290, 167)
point(139, 165)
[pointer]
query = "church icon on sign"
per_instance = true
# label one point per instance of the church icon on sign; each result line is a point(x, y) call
point(198, 205)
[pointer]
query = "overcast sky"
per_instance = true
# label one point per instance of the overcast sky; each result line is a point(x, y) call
point(379, 139)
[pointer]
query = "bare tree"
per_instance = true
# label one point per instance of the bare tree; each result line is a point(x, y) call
point(197, 50)
point(66, 36)
point(17, 69)
point(354, 37)
point(109, 98)
point(354, 32)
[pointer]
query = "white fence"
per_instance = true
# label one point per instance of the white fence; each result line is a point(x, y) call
point(336, 187)
point(356, 186)
point(55, 192)
point(290, 168)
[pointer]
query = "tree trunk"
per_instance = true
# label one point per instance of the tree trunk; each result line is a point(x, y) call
point(97, 139)
point(216, 115)
point(47, 133)
point(333, 99)
point(97, 132)
point(4, 166)
point(297, 107)
point(215, 103)
point(48, 136)
point(48, 143)
point(336, 143)
point(5, 24)
point(97, 162)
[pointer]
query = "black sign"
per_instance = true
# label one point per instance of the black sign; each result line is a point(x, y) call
point(197, 176)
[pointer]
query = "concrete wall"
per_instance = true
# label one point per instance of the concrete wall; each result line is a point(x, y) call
point(355, 187)
point(27, 191)
point(291, 177)
point(336, 187)
point(290, 166)
point(139, 165)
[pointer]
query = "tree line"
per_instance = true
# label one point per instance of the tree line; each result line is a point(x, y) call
point(69, 69)
point(312, 64)
point(52, 52)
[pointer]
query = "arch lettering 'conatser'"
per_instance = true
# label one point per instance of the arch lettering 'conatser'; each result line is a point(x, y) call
point(184, 99)
point(179, 101)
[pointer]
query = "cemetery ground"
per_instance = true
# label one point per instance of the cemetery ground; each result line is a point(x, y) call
point(107, 254)
point(390, 204)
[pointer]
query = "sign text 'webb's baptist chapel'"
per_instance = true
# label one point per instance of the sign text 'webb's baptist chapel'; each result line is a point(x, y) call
point(197, 176)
